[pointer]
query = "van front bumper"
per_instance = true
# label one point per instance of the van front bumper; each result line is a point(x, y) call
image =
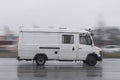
point(99, 58)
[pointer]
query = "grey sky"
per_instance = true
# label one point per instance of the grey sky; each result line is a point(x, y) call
point(69, 13)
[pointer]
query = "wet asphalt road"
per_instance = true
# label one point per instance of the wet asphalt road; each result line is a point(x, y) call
point(11, 69)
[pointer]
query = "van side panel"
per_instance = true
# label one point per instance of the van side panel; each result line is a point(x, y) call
point(33, 43)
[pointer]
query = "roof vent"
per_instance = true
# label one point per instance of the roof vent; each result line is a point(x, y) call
point(62, 28)
point(51, 27)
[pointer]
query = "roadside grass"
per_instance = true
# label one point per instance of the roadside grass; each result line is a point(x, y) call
point(111, 55)
point(8, 54)
point(14, 55)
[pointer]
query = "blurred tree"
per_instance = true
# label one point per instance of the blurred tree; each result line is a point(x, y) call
point(107, 36)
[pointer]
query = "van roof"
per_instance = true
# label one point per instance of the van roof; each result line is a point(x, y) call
point(73, 30)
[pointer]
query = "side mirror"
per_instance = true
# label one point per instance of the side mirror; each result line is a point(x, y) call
point(91, 42)
point(92, 34)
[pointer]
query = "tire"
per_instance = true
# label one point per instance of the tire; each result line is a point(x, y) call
point(40, 60)
point(91, 60)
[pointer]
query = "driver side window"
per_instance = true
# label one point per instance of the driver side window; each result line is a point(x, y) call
point(85, 39)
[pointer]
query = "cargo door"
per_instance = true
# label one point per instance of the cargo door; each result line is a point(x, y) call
point(68, 47)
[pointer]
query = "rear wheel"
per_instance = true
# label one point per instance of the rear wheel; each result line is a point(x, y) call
point(91, 60)
point(40, 60)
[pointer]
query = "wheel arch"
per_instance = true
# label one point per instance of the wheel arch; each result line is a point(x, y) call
point(40, 54)
point(92, 54)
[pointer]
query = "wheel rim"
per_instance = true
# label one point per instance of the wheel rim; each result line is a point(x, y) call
point(92, 61)
point(40, 60)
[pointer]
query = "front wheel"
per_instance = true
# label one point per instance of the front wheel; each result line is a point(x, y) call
point(91, 60)
point(40, 60)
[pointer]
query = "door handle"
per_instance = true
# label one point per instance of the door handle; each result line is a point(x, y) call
point(73, 48)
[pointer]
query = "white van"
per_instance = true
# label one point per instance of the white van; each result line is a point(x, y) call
point(41, 45)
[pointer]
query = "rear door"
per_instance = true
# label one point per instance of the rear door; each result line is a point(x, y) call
point(68, 48)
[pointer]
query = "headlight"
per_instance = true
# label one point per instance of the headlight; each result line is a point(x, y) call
point(100, 53)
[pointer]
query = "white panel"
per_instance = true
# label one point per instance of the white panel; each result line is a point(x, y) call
point(40, 38)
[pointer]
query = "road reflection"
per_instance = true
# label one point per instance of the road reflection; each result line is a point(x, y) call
point(59, 72)
point(93, 71)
